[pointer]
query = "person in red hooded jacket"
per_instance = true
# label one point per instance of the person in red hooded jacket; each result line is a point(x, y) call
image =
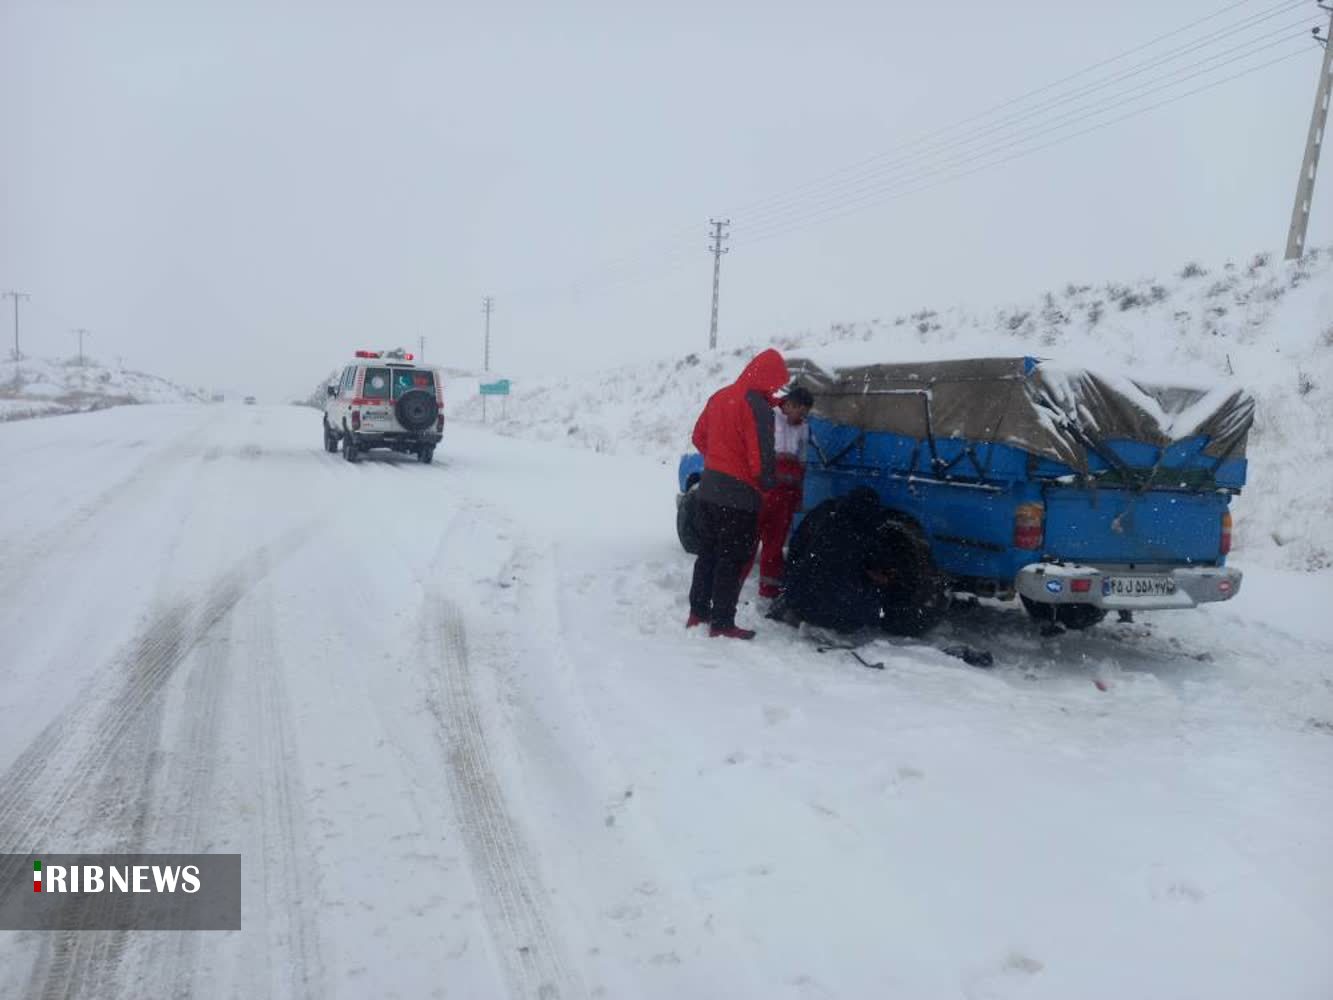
point(735, 436)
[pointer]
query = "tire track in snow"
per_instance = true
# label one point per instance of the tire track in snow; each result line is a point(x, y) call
point(54, 774)
point(31, 796)
point(121, 772)
point(240, 656)
point(39, 787)
point(283, 851)
point(237, 659)
point(121, 767)
point(191, 775)
point(513, 896)
point(36, 547)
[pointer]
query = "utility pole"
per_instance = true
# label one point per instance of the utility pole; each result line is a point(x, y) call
point(16, 296)
point(717, 251)
point(80, 332)
point(1300, 212)
point(487, 307)
point(421, 348)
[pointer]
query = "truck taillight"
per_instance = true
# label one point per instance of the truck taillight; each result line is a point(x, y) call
point(356, 420)
point(1226, 532)
point(1029, 520)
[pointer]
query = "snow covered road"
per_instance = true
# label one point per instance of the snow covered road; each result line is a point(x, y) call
point(450, 718)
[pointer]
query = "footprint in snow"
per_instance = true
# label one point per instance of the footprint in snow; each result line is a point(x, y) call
point(625, 911)
point(1179, 892)
point(1017, 962)
point(809, 986)
point(984, 983)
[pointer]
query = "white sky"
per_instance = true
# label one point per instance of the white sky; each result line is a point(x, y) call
point(206, 185)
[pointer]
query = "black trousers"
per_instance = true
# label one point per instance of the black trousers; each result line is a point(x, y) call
point(726, 539)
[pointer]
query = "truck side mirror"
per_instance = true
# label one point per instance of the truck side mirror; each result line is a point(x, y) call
point(333, 390)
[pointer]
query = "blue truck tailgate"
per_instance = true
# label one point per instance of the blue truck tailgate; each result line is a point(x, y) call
point(1130, 526)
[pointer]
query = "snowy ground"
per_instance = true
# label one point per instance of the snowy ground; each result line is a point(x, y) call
point(451, 719)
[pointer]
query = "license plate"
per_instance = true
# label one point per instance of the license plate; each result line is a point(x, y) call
point(1138, 586)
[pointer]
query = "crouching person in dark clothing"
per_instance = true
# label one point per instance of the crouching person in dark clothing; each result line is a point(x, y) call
point(735, 435)
point(837, 563)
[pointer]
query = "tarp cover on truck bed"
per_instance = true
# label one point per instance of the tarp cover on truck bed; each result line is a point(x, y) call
point(1046, 409)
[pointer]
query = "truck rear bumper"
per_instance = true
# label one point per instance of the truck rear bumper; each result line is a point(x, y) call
point(396, 440)
point(1115, 587)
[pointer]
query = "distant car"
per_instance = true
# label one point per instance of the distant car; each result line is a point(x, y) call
point(249, 400)
point(383, 399)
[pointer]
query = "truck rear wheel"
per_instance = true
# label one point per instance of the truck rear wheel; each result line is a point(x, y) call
point(685, 529)
point(915, 598)
point(1074, 616)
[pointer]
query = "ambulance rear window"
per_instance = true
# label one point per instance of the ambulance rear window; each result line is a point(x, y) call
point(412, 378)
point(376, 384)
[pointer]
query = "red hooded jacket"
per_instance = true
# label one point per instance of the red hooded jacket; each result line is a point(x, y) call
point(735, 435)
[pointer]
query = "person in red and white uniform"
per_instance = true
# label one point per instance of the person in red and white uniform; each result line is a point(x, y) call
point(791, 438)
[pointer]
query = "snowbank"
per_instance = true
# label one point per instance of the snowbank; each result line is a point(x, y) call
point(1266, 324)
point(39, 387)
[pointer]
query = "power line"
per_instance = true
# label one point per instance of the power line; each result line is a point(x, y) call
point(920, 164)
point(922, 168)
point(612, 271)
point(853, 207)
point(878, 158)
point(782, 208)
point(867, 192)
point(1148, 87)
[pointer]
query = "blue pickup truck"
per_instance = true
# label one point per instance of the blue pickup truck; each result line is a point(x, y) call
point(1076, 492)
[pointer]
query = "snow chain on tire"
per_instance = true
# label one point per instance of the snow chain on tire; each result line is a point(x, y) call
point(918, 599)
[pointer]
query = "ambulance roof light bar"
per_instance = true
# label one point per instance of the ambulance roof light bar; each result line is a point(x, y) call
point(395, 355)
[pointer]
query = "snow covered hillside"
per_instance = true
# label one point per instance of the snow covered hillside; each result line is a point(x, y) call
point(40, 387)
point(1266, 323)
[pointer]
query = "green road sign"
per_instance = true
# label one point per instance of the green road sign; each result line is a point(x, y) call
point(500, 388)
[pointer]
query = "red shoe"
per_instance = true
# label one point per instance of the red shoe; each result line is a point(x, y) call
point(769, 590)
point(730, 633)
point(693, 620)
